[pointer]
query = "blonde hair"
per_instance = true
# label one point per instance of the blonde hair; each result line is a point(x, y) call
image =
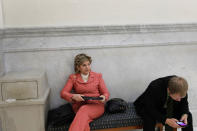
point(178, 85)
point(79, 60)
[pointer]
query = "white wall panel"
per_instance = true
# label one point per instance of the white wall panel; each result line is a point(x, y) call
point(31, 13)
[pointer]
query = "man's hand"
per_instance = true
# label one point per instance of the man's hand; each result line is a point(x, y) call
point(172, 122)
point(184, 118)
point(77, 97)
point(103, 100)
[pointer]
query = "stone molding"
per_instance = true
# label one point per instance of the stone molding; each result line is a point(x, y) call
point(1, 33)
point(2, 66)
point(96, 30)
point(96, 47)
point(95, 37)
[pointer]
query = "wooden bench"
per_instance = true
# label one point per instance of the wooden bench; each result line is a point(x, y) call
point(159, 126)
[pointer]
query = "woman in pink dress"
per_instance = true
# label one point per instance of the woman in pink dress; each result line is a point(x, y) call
point(84, 83)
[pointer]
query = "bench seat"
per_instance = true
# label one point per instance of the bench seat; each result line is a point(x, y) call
point(113, 122)
point(128, 118)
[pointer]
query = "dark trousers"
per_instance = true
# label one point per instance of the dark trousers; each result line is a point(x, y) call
point(150, 123)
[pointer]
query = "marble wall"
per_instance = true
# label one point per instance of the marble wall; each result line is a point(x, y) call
point(39, 13)
point(1, 15)
point(1, 64)
point(129, 57)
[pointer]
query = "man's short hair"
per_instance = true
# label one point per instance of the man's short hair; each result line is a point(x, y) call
point(178, 85)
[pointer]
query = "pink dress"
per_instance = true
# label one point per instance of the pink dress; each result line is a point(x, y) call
point(85, 111)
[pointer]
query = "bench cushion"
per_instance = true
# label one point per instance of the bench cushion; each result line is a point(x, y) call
point(128, 118)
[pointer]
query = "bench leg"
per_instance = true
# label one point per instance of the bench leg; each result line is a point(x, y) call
point(159, 127)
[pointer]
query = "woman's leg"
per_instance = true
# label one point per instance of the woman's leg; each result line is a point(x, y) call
point(85, 115)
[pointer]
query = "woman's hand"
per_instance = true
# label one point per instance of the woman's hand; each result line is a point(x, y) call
point(103, 100)
point(77, 97)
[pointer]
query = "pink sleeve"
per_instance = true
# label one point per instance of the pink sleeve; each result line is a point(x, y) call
point(65, 93)
point(102, 87)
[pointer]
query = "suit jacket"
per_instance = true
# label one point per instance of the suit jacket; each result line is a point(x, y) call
point(95, 86)
point(153, 99)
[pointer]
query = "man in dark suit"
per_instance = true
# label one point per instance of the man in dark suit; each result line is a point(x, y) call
point(165, 101)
